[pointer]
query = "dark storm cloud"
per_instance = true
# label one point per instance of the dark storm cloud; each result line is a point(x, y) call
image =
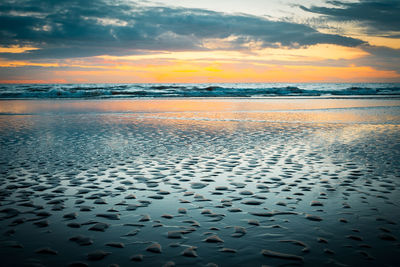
point(79, 28)
point(379, 17)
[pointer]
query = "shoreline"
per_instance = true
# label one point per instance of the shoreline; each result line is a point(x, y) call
point(397, 96)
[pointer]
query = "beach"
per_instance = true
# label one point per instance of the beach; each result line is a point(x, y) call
point(227, 181)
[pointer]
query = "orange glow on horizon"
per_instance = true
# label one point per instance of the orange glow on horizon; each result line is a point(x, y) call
point(184, 72)
point(264, 65)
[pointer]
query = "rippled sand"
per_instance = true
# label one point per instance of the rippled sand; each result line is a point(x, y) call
point(200, 182)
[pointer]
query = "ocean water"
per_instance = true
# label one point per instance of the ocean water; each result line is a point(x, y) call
point(45, 91)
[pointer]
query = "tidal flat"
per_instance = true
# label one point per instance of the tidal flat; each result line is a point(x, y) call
point(200, 182)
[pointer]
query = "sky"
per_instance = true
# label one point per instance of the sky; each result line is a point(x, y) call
point(192, 41)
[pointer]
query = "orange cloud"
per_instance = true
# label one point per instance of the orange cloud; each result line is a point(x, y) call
point(15, 63)
point(14, 49)
point(305, 54)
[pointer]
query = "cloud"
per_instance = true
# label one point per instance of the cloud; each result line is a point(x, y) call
point(381, 57)
point(81, 28)
point(380, 18)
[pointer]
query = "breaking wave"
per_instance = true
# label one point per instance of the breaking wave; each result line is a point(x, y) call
point(50, 91)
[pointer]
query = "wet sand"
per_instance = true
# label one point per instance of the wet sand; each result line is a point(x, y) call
point(202, 182)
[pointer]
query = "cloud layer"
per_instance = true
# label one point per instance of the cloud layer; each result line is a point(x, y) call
point(80, 28)
point(380, 18)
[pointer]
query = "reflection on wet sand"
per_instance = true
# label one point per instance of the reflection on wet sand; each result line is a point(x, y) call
point(221, 186)
point(187, 105)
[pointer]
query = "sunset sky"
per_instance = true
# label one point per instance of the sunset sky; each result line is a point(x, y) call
point(80, 41)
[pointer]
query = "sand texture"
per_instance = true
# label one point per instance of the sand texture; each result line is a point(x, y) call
point(200, 183)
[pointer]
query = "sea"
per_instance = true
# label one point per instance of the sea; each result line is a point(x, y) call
point(179, 90)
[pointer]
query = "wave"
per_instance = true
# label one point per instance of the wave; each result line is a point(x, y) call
point(49, 91)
